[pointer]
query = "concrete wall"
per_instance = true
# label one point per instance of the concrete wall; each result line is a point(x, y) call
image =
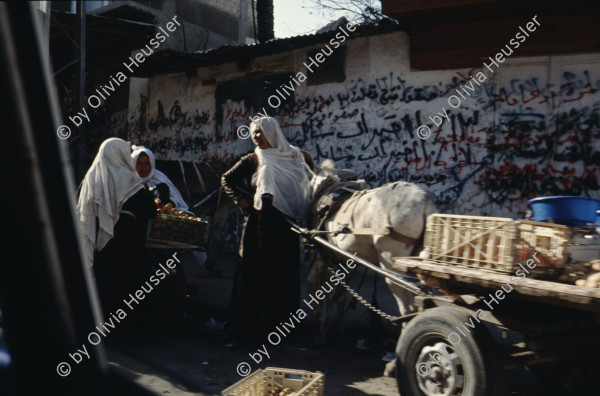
point(530, 129)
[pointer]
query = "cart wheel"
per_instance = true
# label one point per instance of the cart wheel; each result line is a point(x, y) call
point(429, 364)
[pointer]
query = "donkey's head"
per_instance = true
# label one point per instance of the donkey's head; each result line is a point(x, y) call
point(326, 173)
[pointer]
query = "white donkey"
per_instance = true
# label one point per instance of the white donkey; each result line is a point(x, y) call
point(388, 221)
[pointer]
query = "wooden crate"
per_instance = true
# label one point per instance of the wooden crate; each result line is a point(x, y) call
point(496, 243)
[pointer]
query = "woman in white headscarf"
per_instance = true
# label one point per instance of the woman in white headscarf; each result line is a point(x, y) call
point(145, 166)
point(270, 186)
point(114, 209)
point(109, 182)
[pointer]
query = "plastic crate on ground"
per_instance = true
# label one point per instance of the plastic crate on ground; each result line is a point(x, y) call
point(261, 382)
point(496, 243)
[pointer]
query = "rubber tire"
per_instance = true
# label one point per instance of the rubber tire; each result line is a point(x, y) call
point(477, 350)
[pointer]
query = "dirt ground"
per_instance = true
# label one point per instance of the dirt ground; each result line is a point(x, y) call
point(192, 356)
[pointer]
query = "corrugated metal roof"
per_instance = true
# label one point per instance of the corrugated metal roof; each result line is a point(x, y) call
point(168, 61)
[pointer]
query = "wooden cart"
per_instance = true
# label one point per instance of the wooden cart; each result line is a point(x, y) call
point(472, 320)
point(471, 326)
point(453, 348)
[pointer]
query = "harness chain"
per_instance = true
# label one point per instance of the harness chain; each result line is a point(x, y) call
point(363, 301)
point(355, 196)
point(368, 305)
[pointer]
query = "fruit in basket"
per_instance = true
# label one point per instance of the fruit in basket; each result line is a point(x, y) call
point(170, 209)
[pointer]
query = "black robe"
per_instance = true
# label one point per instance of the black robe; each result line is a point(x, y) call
point(266, 288)
point(122, 265)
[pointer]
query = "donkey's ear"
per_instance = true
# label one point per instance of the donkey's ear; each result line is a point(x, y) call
point(346, 174)
point(308, 159)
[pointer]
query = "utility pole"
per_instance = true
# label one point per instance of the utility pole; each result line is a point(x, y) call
point(80, 85)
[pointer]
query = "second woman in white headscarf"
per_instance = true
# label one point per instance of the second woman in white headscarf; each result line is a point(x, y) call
point(145, 166)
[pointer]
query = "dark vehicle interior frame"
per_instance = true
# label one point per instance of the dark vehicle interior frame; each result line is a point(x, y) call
point(48, 300)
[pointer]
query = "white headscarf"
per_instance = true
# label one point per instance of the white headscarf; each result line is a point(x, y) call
point(281, 171)
point(156, 177)
point(135, 154)
point(110, 181)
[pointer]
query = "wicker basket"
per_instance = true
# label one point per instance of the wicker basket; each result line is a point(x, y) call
point(259, 383)
point(167, 227)
point(496, 243)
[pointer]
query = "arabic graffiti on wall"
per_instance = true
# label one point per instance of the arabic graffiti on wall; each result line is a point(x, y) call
point(513, 138)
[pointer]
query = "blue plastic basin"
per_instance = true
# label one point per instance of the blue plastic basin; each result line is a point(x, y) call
point(567, 210)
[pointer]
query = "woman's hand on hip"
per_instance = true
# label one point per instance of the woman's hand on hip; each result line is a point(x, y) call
point(244, 205)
